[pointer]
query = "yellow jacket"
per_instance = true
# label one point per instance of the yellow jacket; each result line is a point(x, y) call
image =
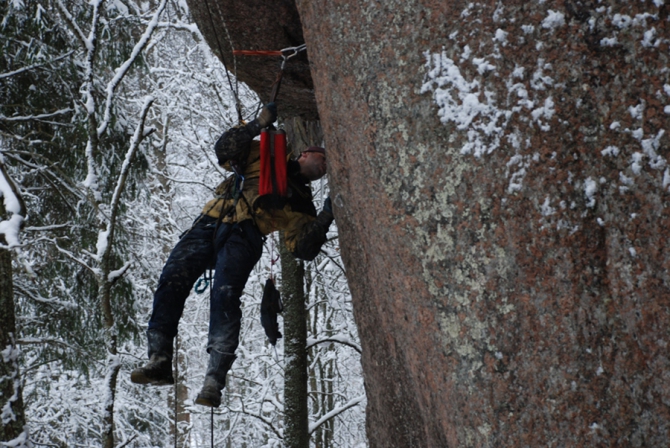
point(304, 231)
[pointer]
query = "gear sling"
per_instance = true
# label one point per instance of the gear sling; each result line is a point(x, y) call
point(273, 179)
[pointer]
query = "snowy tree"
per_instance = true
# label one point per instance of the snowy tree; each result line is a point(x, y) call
point(72, 148)
point(109, 114)
point(12, 418)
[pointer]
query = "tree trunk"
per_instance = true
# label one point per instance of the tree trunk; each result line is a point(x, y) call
point(178, 397)
point(11, 400)
point(296, 423)
point(113, 365)
point(301, 134)
point(108, 420)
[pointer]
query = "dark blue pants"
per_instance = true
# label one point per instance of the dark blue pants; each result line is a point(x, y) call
point(234, 252)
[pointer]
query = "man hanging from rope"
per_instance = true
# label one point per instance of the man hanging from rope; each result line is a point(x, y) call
point(229, 236)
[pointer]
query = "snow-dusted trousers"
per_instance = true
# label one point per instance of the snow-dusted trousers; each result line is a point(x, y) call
point(234, 251)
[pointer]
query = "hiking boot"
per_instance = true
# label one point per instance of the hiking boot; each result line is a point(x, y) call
point(210, 394)
point(215, 378)
point(157, 372)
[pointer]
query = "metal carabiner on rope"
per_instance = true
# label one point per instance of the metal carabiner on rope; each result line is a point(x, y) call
point(294, 51)
point(286, 54)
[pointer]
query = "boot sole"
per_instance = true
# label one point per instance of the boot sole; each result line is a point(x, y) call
point(204, 401)
point(141, 378)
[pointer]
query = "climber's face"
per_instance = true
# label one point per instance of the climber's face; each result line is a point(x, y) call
point(312, 165)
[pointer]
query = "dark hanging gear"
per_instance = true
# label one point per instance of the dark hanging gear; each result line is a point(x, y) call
point(270, 306)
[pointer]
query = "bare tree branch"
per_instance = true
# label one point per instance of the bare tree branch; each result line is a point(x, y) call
point(334, 413)
point(259, 417)
point(34, 66)
point(73, 24)
point(38, 117)
point(123, 69)
point(339, 339)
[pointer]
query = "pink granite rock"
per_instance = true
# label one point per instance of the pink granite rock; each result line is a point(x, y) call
point(500, 180)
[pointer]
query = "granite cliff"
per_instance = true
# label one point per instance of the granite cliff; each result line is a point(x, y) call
point(501, 187)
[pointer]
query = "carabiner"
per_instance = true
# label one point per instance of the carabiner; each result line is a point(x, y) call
point(294, 50)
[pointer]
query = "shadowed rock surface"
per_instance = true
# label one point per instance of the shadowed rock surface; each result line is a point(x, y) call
point(500, 181)
point(260, 25)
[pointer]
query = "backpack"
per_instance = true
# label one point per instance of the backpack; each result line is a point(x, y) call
point(233, 147)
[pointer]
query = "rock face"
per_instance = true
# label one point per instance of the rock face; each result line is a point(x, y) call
point(500, 179)
point(260, 25)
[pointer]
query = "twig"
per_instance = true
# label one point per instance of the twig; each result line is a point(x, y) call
point(313, 342)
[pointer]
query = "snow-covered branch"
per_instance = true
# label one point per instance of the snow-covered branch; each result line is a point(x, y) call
point(36, 117)
point(13, 203)
point(117, 274)
point(313, 426)
point(267, 422)
point(73, 24)
point(34, 66)
point(332, 258)
point(135, 141)
point(311, 342)
point(123, 69)
point(43, 300)
point(76, 259)
point(104, 245)
point(181, 26)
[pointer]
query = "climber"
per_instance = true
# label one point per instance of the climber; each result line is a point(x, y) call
point(228, 237)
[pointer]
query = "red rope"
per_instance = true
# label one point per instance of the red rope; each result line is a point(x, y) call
point(257, 53)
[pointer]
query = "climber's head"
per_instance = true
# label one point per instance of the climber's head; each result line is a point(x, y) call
point(313, 163)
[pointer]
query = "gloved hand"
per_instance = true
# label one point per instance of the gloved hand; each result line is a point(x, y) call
point(325, 217)
point(268, 115)
point(270, 306)
point(328, 205)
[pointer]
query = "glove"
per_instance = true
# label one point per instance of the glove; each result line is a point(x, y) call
point(328, 205)
point(270, 306)
point(268, 115)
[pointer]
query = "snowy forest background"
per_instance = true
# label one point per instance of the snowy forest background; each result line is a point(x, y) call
point(109, 111)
